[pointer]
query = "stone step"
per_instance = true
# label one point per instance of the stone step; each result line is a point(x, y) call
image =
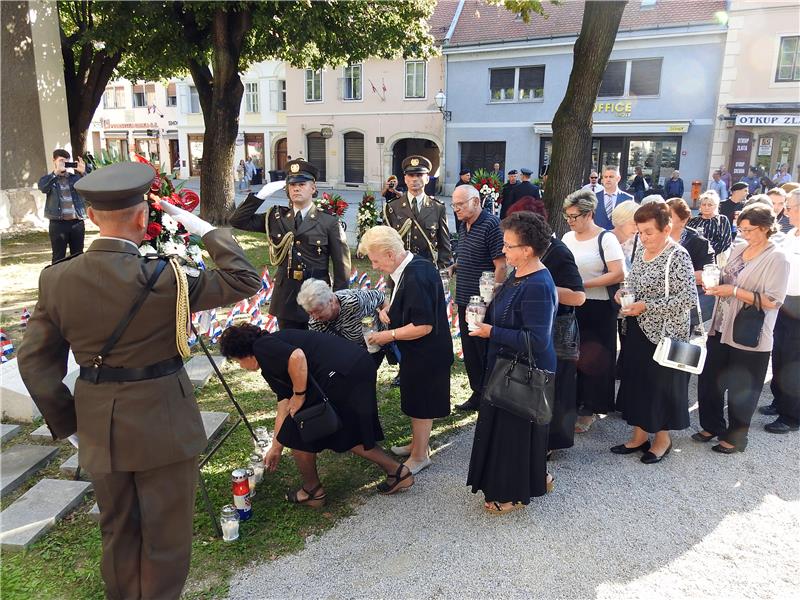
point(37, 510)
point(213, 422)
point(19, 462)
point(15, 400)
point(200, 370)
point(8, 431)
point(42, 433)
point(69, 466)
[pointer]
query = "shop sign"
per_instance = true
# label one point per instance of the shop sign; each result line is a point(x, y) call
point(108, 125)
point(765, 146)
point(740, 157)
point(621, 109)
point(768, 120)
point(677, 128)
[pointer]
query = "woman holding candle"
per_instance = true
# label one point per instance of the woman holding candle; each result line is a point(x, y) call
point(288, 361)
point(715, 227)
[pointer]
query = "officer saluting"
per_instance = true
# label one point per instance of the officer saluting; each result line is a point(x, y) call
point(419, 219)
point(301, 241)
point(138, 424)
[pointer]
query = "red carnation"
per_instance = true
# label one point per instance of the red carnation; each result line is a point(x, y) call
point(153, 231)
point(189, 200)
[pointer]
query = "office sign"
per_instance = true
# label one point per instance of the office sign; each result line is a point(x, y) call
point(768, 120)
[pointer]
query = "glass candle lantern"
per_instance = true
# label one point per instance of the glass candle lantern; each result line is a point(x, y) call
point(262, 434)
point(475, 313)
point(445, 276)
point(486, 286)
point(263, 447)
point(626, 295)
point(229, 521)
point(251, 481)
point(367, 328)
point(257, 464)
point(711, 275)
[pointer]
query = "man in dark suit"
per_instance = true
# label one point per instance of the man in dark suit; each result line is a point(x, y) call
point(505, 194)
point(609, 197)
point(419, 219)
point(138, 425)
point(302, 241)
point(523, 188)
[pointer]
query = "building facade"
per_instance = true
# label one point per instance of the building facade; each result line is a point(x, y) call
point(759, 97)
point(656, 108)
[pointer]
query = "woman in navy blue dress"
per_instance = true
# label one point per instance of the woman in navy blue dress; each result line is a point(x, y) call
point(509, 454)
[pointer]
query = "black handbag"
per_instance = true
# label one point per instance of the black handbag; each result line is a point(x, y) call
point(317, 421)
point(517, 386)
point(566, 337)
point(748, 323)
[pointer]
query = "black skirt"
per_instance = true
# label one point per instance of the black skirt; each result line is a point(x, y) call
point(353, 398)
point(424, 390)
point(562, 427)
point(656, 398)
point(597, 322)
point(509, 457)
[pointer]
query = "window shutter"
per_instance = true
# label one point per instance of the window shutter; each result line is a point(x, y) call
point(274, 95)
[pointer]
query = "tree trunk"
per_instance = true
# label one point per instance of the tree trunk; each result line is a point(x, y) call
point(572, 123)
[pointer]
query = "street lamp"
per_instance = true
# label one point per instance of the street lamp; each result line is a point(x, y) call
point(441, 101)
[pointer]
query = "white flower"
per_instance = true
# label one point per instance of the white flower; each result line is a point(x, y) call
point(194, 252)
point(169, 223)
point(147, 249)
point(172, 248)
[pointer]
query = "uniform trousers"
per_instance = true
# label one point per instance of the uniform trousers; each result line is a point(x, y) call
point(146, 526)
point(785, 383)
point(739, 372)
point(66, 233)
point(474, 357)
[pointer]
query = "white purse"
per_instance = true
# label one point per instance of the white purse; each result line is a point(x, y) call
point(676, 354)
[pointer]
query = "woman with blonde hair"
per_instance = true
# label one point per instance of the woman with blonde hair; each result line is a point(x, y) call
point(625, 227)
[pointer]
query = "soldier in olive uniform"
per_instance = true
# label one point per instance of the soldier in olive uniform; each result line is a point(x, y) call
point(301, 239)
point(138, 425)
point(419, 219)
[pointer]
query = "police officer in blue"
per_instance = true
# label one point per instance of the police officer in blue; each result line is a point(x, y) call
point(304, 242)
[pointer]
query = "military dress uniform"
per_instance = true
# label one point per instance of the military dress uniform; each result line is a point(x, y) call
point(300, 249)
point(424, 231)
point(138, 424)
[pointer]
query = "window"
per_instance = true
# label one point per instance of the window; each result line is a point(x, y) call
point(789, 59)
point(313, 85)
point(139, 99)
point(277, 94)
point(194, 100)
point(251, 97)
point(112, 96)
point(352, 83)
point(631, 78)
point(150, 94)
point(172, 95)
point(282, 104)
point(482, 155)
point(516, 83)
point(415, 79)
point(354, 157)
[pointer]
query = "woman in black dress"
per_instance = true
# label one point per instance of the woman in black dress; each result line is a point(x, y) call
point(345, 372)
point(508, 461)
point(417, 321)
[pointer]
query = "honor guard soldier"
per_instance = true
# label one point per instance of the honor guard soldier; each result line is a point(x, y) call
point(139, 429)
point(302, 240)
point(419, 219)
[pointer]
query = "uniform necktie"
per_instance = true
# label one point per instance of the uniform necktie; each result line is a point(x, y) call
point(298, 219)
point(414, 206)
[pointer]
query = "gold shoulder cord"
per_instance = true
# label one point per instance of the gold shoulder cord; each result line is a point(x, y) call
point(182, 316)
point(278, 252)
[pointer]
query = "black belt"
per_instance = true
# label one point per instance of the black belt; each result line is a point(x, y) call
point(103, 374)
point(303, 274)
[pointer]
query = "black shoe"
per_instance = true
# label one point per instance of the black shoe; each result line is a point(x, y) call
point(780, 426)
point(649, 458)
point(723, 450)
point(468, 406)
point(396, 381)
point(770, 410)
point(623, 449)
point(699, 437)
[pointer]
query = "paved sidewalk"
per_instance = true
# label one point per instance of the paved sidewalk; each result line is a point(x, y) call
point(698, 525)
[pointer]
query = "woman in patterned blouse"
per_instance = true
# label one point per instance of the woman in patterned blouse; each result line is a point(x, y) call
point(715, 227)
point(657, 398)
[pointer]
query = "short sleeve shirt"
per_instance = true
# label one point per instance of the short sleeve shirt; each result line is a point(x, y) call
point(587, 257)
point(477, 249)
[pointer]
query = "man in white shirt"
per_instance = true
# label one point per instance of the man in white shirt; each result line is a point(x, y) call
point(593, 184)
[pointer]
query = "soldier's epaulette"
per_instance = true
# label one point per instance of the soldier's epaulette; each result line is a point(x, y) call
point(277, 210)
point(65, 259)
point(435, 200)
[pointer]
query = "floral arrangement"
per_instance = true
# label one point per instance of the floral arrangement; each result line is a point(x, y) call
point(333, 204)
point(367, 215)
point(489, 187)
point(164, 234)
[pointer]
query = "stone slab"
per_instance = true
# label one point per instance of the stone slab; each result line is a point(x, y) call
point(8, 431)
point(15, 401)
point(37, 510)
point(19, 462)
point(200, 370)
point(213, 422)
point(94, 513)
point(69, 466)
point(42, 433)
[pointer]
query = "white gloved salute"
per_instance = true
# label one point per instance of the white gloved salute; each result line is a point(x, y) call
point(193, 224)
point(269, 189)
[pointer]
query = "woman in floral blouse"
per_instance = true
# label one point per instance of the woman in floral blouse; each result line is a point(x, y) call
point(657, 397)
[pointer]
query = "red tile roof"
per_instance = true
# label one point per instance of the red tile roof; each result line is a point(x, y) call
point(482, 23)
point(439, 23)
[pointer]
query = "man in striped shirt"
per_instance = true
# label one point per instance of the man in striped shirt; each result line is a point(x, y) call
point(480, 248)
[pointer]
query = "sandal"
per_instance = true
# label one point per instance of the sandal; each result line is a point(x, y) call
point(312, 500)
point(495, 508)
point(386, 488)
point(584, 427)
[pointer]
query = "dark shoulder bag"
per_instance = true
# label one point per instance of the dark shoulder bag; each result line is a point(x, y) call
point(612, 289)
point(566, 337)
point(517, 386)
point(748, 323)
point(319, 420)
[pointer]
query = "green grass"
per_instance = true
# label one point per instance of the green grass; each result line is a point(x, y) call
point(65, 562)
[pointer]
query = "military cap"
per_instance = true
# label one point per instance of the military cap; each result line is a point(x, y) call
point(525, 171)
point(465, 172)
point(512, 172)
point(116, 186)
point(417, 164)
point(298, 171)
point(739, 185)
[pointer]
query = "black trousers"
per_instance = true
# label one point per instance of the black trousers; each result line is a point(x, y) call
point(287, 324)
point(474, 356)
point(739, 372)
point(785, 383)
point(597, 322)
point(66, 233)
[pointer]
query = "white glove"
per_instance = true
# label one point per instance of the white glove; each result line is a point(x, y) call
point(192, 223)
point(270, 188)
point(73, 439)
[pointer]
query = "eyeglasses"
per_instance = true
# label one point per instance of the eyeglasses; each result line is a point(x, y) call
point(460, 205)
point(592, 177)
point(512, 246)
point(572, 218)
point(748, 229)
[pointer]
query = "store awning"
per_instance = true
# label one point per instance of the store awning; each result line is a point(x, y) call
point(144, 133)
point(625, 127)
point(110, 133)
point(763, 106)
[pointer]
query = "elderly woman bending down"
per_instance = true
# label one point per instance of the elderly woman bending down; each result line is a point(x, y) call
point(417, 321)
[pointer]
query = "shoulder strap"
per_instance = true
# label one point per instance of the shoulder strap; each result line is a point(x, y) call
point(123, 325)
point(600, 247)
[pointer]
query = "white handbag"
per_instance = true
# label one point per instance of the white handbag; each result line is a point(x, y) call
point(676, 354)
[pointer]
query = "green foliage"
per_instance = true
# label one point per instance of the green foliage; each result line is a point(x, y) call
point(524, 8)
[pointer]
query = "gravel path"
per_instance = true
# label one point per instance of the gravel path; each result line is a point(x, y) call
point(698, 525)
